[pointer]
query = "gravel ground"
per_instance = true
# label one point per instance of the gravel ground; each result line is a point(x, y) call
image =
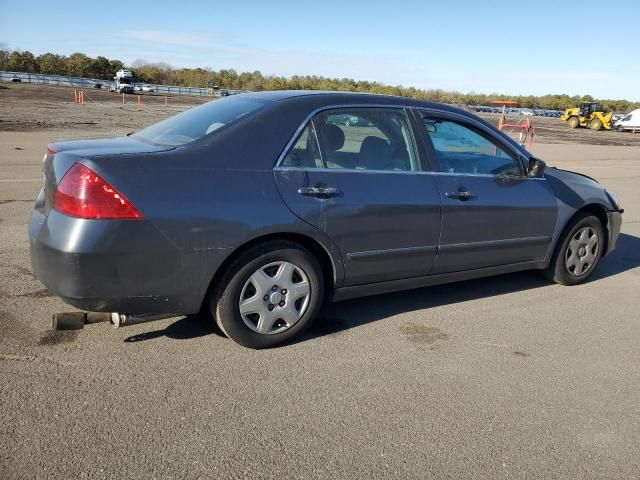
point(507, 377)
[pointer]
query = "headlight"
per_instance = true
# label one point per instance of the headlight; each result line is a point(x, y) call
point(614, 199)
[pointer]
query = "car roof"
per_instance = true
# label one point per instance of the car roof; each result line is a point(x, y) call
point(348, 97)
point(306, 101)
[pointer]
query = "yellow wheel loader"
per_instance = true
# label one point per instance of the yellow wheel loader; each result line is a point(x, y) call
point(588, 114)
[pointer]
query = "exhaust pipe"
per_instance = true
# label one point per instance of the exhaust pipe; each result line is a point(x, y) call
point(77, 320)
point(124, 319)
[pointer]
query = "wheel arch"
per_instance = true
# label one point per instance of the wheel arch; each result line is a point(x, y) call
point(598, 210)
point(329, 269)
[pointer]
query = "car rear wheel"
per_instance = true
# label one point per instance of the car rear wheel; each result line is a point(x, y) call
point(269, 295)
point(579, 251)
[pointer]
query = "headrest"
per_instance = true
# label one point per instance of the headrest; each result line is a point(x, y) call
point(375, 146)
point(333, 137)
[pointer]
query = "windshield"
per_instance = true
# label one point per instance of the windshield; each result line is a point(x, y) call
point(200, 121)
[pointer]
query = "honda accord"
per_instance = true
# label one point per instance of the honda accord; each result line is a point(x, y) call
point(255, 208)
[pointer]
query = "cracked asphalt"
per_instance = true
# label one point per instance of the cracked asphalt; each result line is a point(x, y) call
point(506, 377)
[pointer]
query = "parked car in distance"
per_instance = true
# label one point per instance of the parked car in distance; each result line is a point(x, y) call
point(526, 111)
point(16, 79)
point(254, 209)
point(149, 88)
point(97, 85)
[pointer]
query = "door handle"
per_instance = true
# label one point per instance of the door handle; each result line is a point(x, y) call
point(319, 191)
point(460, 195)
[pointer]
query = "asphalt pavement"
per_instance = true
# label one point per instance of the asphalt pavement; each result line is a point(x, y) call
point(504, 377)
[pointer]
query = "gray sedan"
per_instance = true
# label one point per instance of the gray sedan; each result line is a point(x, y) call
point(254, 209)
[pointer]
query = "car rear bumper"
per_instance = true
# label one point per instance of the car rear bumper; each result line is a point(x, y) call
point(614, 224)
point(115, 266)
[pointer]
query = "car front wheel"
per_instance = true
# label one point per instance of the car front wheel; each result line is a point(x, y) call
point(579, 251)
point(268, 295)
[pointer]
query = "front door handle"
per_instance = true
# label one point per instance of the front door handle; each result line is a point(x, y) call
point(319, 191)
point(461, 195)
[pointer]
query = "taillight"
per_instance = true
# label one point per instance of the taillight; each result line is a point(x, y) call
point(83, 193)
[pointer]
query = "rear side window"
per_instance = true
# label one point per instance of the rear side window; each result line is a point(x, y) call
point(305, 152)
point(198, 122)
point(366, 139)
point(462, 149)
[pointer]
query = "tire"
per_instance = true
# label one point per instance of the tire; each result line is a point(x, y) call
point(246, 278)
point(595, 124)
point(567, 266)
point(574, 122)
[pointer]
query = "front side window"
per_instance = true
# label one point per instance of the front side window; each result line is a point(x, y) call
point(366, 139)
point(463, 149)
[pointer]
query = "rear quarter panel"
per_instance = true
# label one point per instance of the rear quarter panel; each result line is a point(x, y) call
point(204, 211)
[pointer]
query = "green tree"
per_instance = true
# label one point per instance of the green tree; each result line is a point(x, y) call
point(52, 64)
point(22, 62)
point(100, 67)
point(77, 65)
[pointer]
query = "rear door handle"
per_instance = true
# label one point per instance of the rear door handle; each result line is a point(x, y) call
point(319, 192)
point(460, 195)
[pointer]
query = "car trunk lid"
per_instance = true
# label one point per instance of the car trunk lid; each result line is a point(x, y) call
point(62, 155)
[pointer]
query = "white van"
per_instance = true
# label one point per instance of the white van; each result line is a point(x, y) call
point(629, 122)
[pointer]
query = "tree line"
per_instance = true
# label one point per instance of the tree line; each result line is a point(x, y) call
point(81, 65)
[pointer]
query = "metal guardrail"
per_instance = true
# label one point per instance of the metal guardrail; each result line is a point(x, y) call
point(81, 82)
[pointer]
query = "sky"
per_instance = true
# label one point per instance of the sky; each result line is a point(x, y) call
point(484, 46)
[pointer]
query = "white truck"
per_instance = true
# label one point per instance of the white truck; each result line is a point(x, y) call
point(631, 121)
point(124, 82)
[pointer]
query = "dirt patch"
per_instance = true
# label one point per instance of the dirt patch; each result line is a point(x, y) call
point(14, 331)
point(4, 202)
point(555, 130)
point(29, 107)
point(43, 293)
point(422, 334)
point(53, 337)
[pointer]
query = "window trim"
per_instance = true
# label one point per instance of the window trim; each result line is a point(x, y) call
point(296, 139)
point(407, 109)
point(473, 125)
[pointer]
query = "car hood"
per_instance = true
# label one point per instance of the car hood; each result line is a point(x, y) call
point(107, 146)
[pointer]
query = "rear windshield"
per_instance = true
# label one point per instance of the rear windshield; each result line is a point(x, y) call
point(194, 124)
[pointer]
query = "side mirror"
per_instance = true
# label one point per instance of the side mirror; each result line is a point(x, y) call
point(536, 168)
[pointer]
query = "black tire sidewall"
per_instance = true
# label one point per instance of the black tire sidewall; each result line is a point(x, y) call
point(225, 303)
point(560, 272)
